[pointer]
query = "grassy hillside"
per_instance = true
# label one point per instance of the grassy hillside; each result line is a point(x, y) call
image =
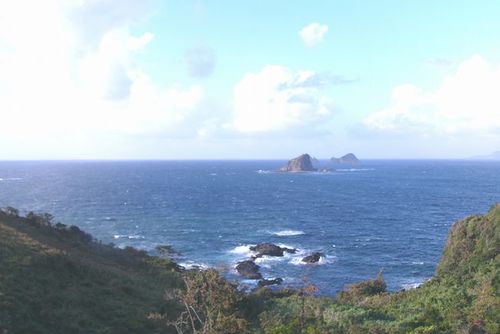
point(463, 297)
point(55, 279)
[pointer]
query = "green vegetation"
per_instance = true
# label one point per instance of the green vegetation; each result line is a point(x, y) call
point(463, 297)
point(56, 279)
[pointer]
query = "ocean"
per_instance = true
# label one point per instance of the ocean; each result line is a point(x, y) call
point(384, 215)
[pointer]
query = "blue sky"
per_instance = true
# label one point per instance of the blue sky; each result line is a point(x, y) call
point(108, 79)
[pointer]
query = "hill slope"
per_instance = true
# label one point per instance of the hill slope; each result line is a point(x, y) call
point(55, 279)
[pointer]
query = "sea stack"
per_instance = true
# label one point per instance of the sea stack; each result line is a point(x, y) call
point(349, 158)
point(301, 163)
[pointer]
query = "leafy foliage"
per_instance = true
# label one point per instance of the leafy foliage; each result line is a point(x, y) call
point(56, 279)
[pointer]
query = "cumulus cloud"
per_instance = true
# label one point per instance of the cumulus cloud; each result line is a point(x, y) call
point(467, 102)
point(69, 71)
point(313, 33)
point(200, 61)
point(276, 98)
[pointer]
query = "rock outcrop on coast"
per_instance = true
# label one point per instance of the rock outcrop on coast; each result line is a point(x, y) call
point(268, 282)
point(302, 163)
point(313, 258)
point(248, 269)
point(349, 158)
point(270, 250)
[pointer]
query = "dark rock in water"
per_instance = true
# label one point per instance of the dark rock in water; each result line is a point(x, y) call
point(313, 258)
point(167, 251)
point(270, 250)
point(302, 163)
point(349, 158)
point(248, 269)
point(266, 282)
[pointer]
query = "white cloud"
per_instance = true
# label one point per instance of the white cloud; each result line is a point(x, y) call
point(69, 71)
point(313, 33)
point(276, 99)
point(467, 102)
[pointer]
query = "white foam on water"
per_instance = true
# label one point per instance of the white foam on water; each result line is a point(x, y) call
point(418, 262)
point(288, 233)
point(322, 260)
point(260, 171)
point(413, 285)
point(135, 236)
point(126, 236)
point(354, 169)
point(266, 260)
point(242, 250)
point(10, 179)
point(287, 246)
point(193, 265)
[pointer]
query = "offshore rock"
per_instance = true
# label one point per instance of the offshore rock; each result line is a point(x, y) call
point(248, 269)
point(267, 282)
point(349, 158)
point(313, 258)
point(301, 163)
point(270, 250)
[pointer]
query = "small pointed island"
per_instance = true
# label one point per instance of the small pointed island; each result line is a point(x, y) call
point(302, 163)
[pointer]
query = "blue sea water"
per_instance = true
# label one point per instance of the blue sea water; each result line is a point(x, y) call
point(390, 215)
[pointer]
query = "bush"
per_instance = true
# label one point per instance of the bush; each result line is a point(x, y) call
point(212, 305)
point(359, 291)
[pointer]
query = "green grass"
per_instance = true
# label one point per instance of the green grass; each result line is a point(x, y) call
point(54, 280)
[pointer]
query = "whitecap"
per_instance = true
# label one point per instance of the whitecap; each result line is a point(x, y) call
point(418, 262)
point(193, 265)
point(135, 236)
point(10, 179)
point(242, 249)
point(265, 260)
point(322, 260)
point(288, 233)
point(354, 169)
point(287, 246)
point(413, 285)
point(260, 171)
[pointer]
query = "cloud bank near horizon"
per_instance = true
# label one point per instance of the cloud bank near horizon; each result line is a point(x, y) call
point(74, 75)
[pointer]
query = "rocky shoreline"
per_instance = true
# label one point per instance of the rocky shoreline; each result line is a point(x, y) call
point(250, 270)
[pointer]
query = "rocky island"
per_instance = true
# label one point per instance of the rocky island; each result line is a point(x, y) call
point(349, 158)
point(302, 163)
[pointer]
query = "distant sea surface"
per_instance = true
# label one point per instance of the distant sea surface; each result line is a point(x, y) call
point(379, 215)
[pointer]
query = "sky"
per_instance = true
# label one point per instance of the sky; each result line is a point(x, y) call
point(200, 79)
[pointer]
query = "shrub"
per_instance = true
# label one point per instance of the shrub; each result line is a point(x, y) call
point(359, 291)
